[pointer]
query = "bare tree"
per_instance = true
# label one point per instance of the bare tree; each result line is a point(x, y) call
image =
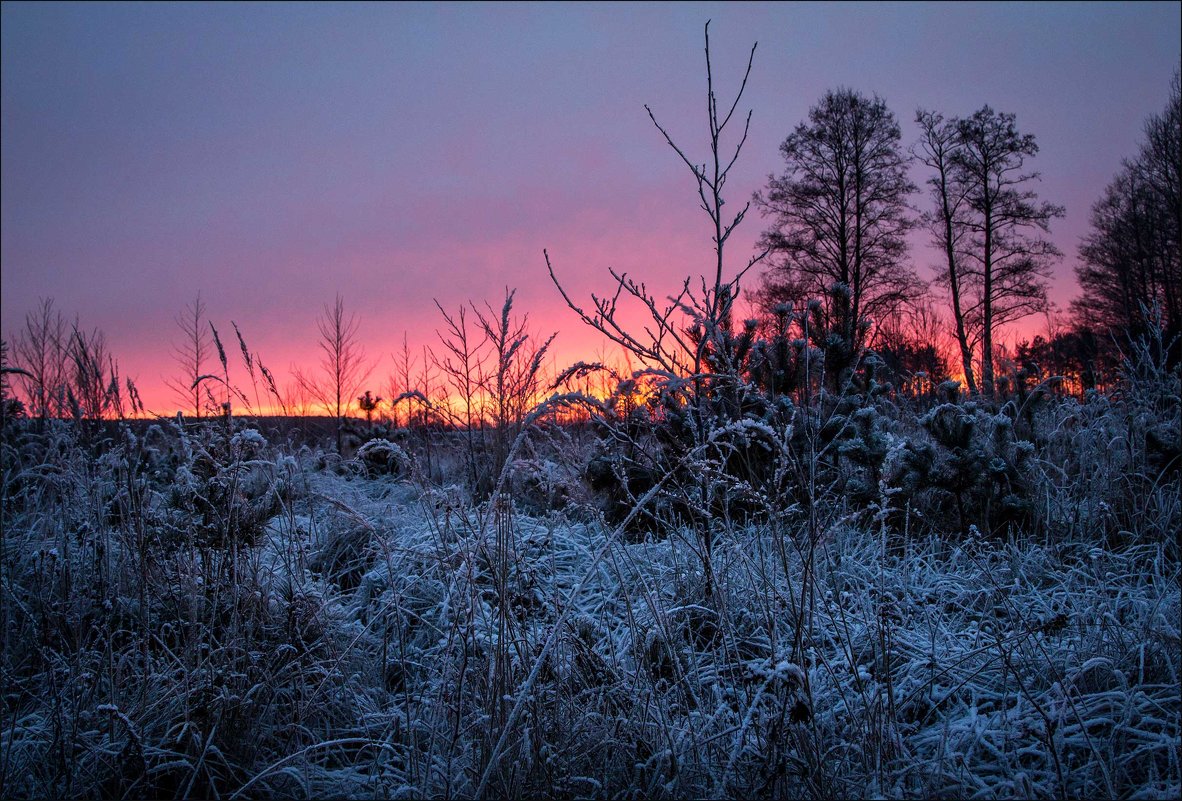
point(1003, 256)
point(1160, 163)
point(41, 352)
point(912, 346)
point(1121, 273)
point(342, 363)
point(939, 140)
point(839, 214)
point(462, 366)
point(513, 381)
point(295, 400)
point(400, 381)
point(1132, 259)
point(687, 335)
point(665, 343)
point(190, 355)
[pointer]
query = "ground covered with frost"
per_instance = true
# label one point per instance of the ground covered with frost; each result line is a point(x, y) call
point(204, 615)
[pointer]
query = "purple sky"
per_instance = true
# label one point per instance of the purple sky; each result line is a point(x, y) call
point(270, 156)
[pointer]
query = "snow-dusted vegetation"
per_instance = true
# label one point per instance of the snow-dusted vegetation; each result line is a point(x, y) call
point(195, 609)
point(770, 559)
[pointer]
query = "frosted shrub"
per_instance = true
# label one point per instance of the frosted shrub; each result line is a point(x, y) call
point(970, 470)
point(224, 490)
point(381, 457)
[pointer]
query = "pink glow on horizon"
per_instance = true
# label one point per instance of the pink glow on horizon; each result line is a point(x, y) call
point(657, 248)
point(658, 237)
point(404, 154)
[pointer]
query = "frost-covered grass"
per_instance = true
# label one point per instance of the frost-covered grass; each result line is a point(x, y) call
point(205, 614)
point(1016, 671)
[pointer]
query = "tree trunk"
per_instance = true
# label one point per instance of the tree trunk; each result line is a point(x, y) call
point(966, 353)
point(987, 302)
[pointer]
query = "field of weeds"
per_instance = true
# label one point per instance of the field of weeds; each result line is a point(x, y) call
point(195, 611)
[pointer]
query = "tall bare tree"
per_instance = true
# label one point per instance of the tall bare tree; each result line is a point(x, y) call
point(839, 214)
point(1002, 255)
point(342, 363)
point(666, 342)
point(462, 366)
point(512, 381)
point(939, 140)
point(1160, 163)
point(190, 354)
point(41, 351)
point(688, 331)
point(1131, 259)
point(400, 381)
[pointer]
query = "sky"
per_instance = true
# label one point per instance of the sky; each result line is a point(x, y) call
point(270, 156)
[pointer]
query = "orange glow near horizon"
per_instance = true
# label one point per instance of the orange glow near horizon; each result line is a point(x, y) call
point(575, 342)
point(404, 154)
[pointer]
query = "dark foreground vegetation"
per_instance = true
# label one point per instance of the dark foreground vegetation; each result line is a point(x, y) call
point(865, 595)
point(778, 559)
